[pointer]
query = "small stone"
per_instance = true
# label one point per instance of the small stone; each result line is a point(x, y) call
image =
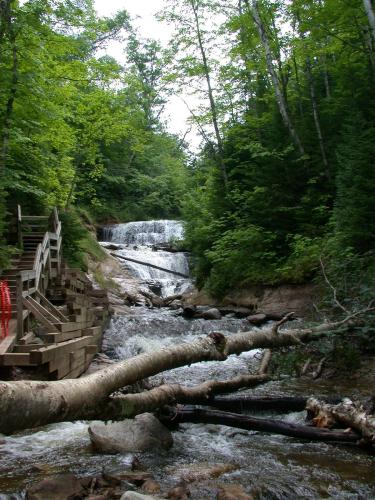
point(257, 319)
point(132, 495)
point(233, 492)
point(190, 473)
point(117, 477)
point(180, 492)
point(136, 464)
point(151, 486)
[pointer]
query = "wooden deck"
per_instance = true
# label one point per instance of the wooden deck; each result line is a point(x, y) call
point(58, 317)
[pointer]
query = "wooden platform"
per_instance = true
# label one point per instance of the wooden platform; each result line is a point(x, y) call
point(59, 317)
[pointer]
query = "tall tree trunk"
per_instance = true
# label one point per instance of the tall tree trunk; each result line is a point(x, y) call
point(250, 81)
point(318, 128)
point(371, 16)
point(26, 404)
point(215, 121)
point(296, 73)
point(279, 94)
point(10, 102)
point(326, 78)
point(4, 17)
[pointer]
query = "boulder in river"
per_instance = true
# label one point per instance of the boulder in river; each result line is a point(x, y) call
point(211, 314)
point(190, 311)
point(142, 433)
point(257, 319)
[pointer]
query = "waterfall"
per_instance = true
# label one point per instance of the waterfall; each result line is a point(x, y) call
point(140, 241)
point(145, 232)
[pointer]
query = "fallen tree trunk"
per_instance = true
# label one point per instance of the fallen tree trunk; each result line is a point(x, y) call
point(133, 404)
point(148, 264)
point(27, 404)
point(199, 416)
point(279, 404)
point(345, 413)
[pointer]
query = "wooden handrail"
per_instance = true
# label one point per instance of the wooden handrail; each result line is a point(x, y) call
point(29, 281)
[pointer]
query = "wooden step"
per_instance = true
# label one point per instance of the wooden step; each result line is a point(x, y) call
point(54, 338)
point(16, 359)
point(57, 351)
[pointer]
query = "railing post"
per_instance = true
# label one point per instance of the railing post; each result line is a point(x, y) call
point(19, 307)
point(19, 226)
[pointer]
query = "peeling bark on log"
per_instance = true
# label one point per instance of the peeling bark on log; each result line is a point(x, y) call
point(27, 404)
point(197, 415)
point(345, 413)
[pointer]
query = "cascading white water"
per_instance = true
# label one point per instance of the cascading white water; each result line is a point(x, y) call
point(145, 232)
point(139, 240)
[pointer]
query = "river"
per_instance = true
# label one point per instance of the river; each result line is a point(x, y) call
point(268, 466)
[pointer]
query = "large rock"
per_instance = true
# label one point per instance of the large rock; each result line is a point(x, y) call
point(257, 319)
point(58, 487)
point(143, 433)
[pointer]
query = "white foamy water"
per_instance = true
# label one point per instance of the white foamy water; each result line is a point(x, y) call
point(137, 241)
point(145, 232)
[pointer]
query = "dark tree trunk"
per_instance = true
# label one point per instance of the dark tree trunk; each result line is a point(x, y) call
point(199, 416)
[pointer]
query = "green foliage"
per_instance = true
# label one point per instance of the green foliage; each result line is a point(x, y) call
point(81, 130)
point(230, 261)
point(354, 212)
point(105, 282)
point(79, 244)
point(280, 210)
point(287, 362)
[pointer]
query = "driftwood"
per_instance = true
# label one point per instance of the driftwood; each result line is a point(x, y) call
point(27, 404)
point(157, 301)
point(175, 393)
point(198, 415)
point(154, 399)
point(346, 413)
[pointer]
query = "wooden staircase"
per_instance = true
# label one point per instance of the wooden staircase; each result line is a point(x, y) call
point(57, 316)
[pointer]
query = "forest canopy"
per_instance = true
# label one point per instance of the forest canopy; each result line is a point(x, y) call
point(285, 174)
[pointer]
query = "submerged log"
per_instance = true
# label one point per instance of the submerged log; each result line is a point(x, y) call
point(199, 416)
point(27, 404)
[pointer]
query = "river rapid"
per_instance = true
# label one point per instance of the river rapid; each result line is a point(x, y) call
point(267, 466)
